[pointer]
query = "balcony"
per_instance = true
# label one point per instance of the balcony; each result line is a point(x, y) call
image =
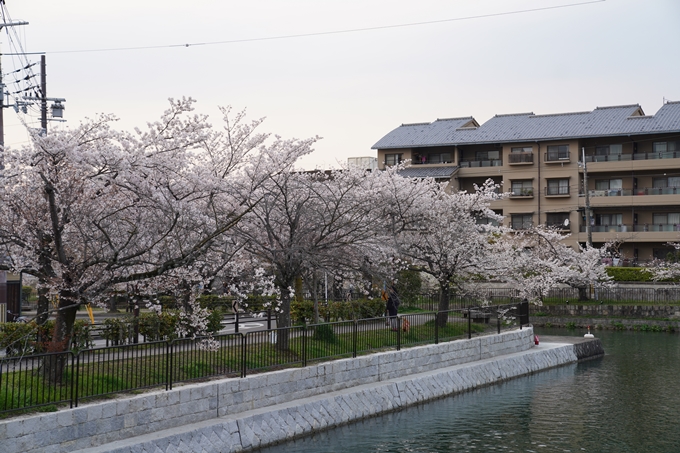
point(557, 191)
point(481, 163)
point(636, 192)
point(524, 192)
point(644, 228)
point(520, 158)
point(559, 227)
point(557, 156)
point(636, 156)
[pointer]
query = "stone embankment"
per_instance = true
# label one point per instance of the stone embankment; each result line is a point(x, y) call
point(246, 414)
point(617, 317)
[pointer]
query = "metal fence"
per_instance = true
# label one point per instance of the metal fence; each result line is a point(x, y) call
point(68, 378)
point(667, 295)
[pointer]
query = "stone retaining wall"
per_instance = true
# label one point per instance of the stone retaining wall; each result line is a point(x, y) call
point(604, 323)
point(620, 311)
point(259, 428)
point(108, 421)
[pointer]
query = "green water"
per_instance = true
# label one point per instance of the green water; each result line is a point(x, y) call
point(627, 401)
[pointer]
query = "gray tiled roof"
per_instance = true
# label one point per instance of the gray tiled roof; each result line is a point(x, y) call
point(428, 172)
point(603, 121)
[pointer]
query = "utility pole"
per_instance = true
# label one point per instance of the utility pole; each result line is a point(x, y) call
point(589, 230)
point(43, 89)
point(3, 270)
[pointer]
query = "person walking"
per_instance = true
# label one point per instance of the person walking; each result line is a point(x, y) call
point(392, 307)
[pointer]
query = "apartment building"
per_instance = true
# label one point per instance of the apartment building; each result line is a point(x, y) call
point(626, 162)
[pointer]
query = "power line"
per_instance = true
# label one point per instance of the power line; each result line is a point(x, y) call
point(334, 32)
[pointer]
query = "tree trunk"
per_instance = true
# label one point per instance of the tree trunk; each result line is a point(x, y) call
point(583, 293)
point(63, 327)
point(42, 313)
point(283, 320)
point(443, 315)
point(315, 292)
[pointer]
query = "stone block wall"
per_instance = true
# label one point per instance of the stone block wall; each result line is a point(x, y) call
point(108, 421)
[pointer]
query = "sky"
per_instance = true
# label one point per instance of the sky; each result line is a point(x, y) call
point(348, 71)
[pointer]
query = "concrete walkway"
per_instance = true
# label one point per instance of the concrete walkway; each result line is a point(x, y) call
point(253, 429)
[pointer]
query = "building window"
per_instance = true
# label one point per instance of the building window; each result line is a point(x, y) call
point(392, 159)
point(558, 219)
point(606, 150)
point(606, 184)
point(522, 188)
point(443, 158)
point(663, 147)
point(608, 219)
point(662, 183)
point(522, 149)
point(558, 187)
point(558, 152)
point(521, 221)
point(666, 218)
point(487, 155)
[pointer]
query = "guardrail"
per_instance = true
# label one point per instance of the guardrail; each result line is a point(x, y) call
point(69, 378)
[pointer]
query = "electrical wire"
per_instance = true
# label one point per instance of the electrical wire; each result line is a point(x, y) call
point(333, 32)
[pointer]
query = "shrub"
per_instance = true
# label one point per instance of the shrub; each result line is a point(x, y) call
point(409, 286)
point(302, 311)
point(629, 274)
point(158, 326)
point(82, 336)
point(324, 333)
point(17, 338)
point(215, 320)
point(117, 330)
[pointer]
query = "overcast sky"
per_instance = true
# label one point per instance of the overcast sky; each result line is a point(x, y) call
point(465, 58)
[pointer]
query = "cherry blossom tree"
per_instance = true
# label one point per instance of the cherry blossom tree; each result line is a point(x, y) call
point(307, 222)
point(90, 208)
point(542, 260)
point(438, 233)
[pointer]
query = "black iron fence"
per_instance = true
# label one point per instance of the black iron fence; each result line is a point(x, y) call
point(69, 378)
point(666, 295)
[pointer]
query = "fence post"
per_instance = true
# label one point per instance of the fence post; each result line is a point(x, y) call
point(355, 335)
point(168, 348)
point(243, 355)
point(304, 345)
point(469, 323)
point(398, 333)
point(74, 379)
point(498, 320)
point(436, 328)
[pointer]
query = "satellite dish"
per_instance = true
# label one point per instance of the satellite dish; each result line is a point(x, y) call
point(566, 222)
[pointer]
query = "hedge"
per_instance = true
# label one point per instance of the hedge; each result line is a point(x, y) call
point(302, 312)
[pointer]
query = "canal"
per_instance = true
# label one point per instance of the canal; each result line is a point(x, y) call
point(626, 401)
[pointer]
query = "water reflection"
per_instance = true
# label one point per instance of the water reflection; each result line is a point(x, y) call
point(626, 401)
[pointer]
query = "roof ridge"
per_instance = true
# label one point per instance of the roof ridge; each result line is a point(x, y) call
point(559, 114)
point(617, 106)
point(456, 119)
point(416, 124)
point(499, 115)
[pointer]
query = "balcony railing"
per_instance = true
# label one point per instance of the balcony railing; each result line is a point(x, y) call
point(557, 156)
point(523, 192)
point(481, 163)
point(557, 190)
point(640, 228)
point(560, 226)
point(521, 158)
point(636, 156)
point(629, 192)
